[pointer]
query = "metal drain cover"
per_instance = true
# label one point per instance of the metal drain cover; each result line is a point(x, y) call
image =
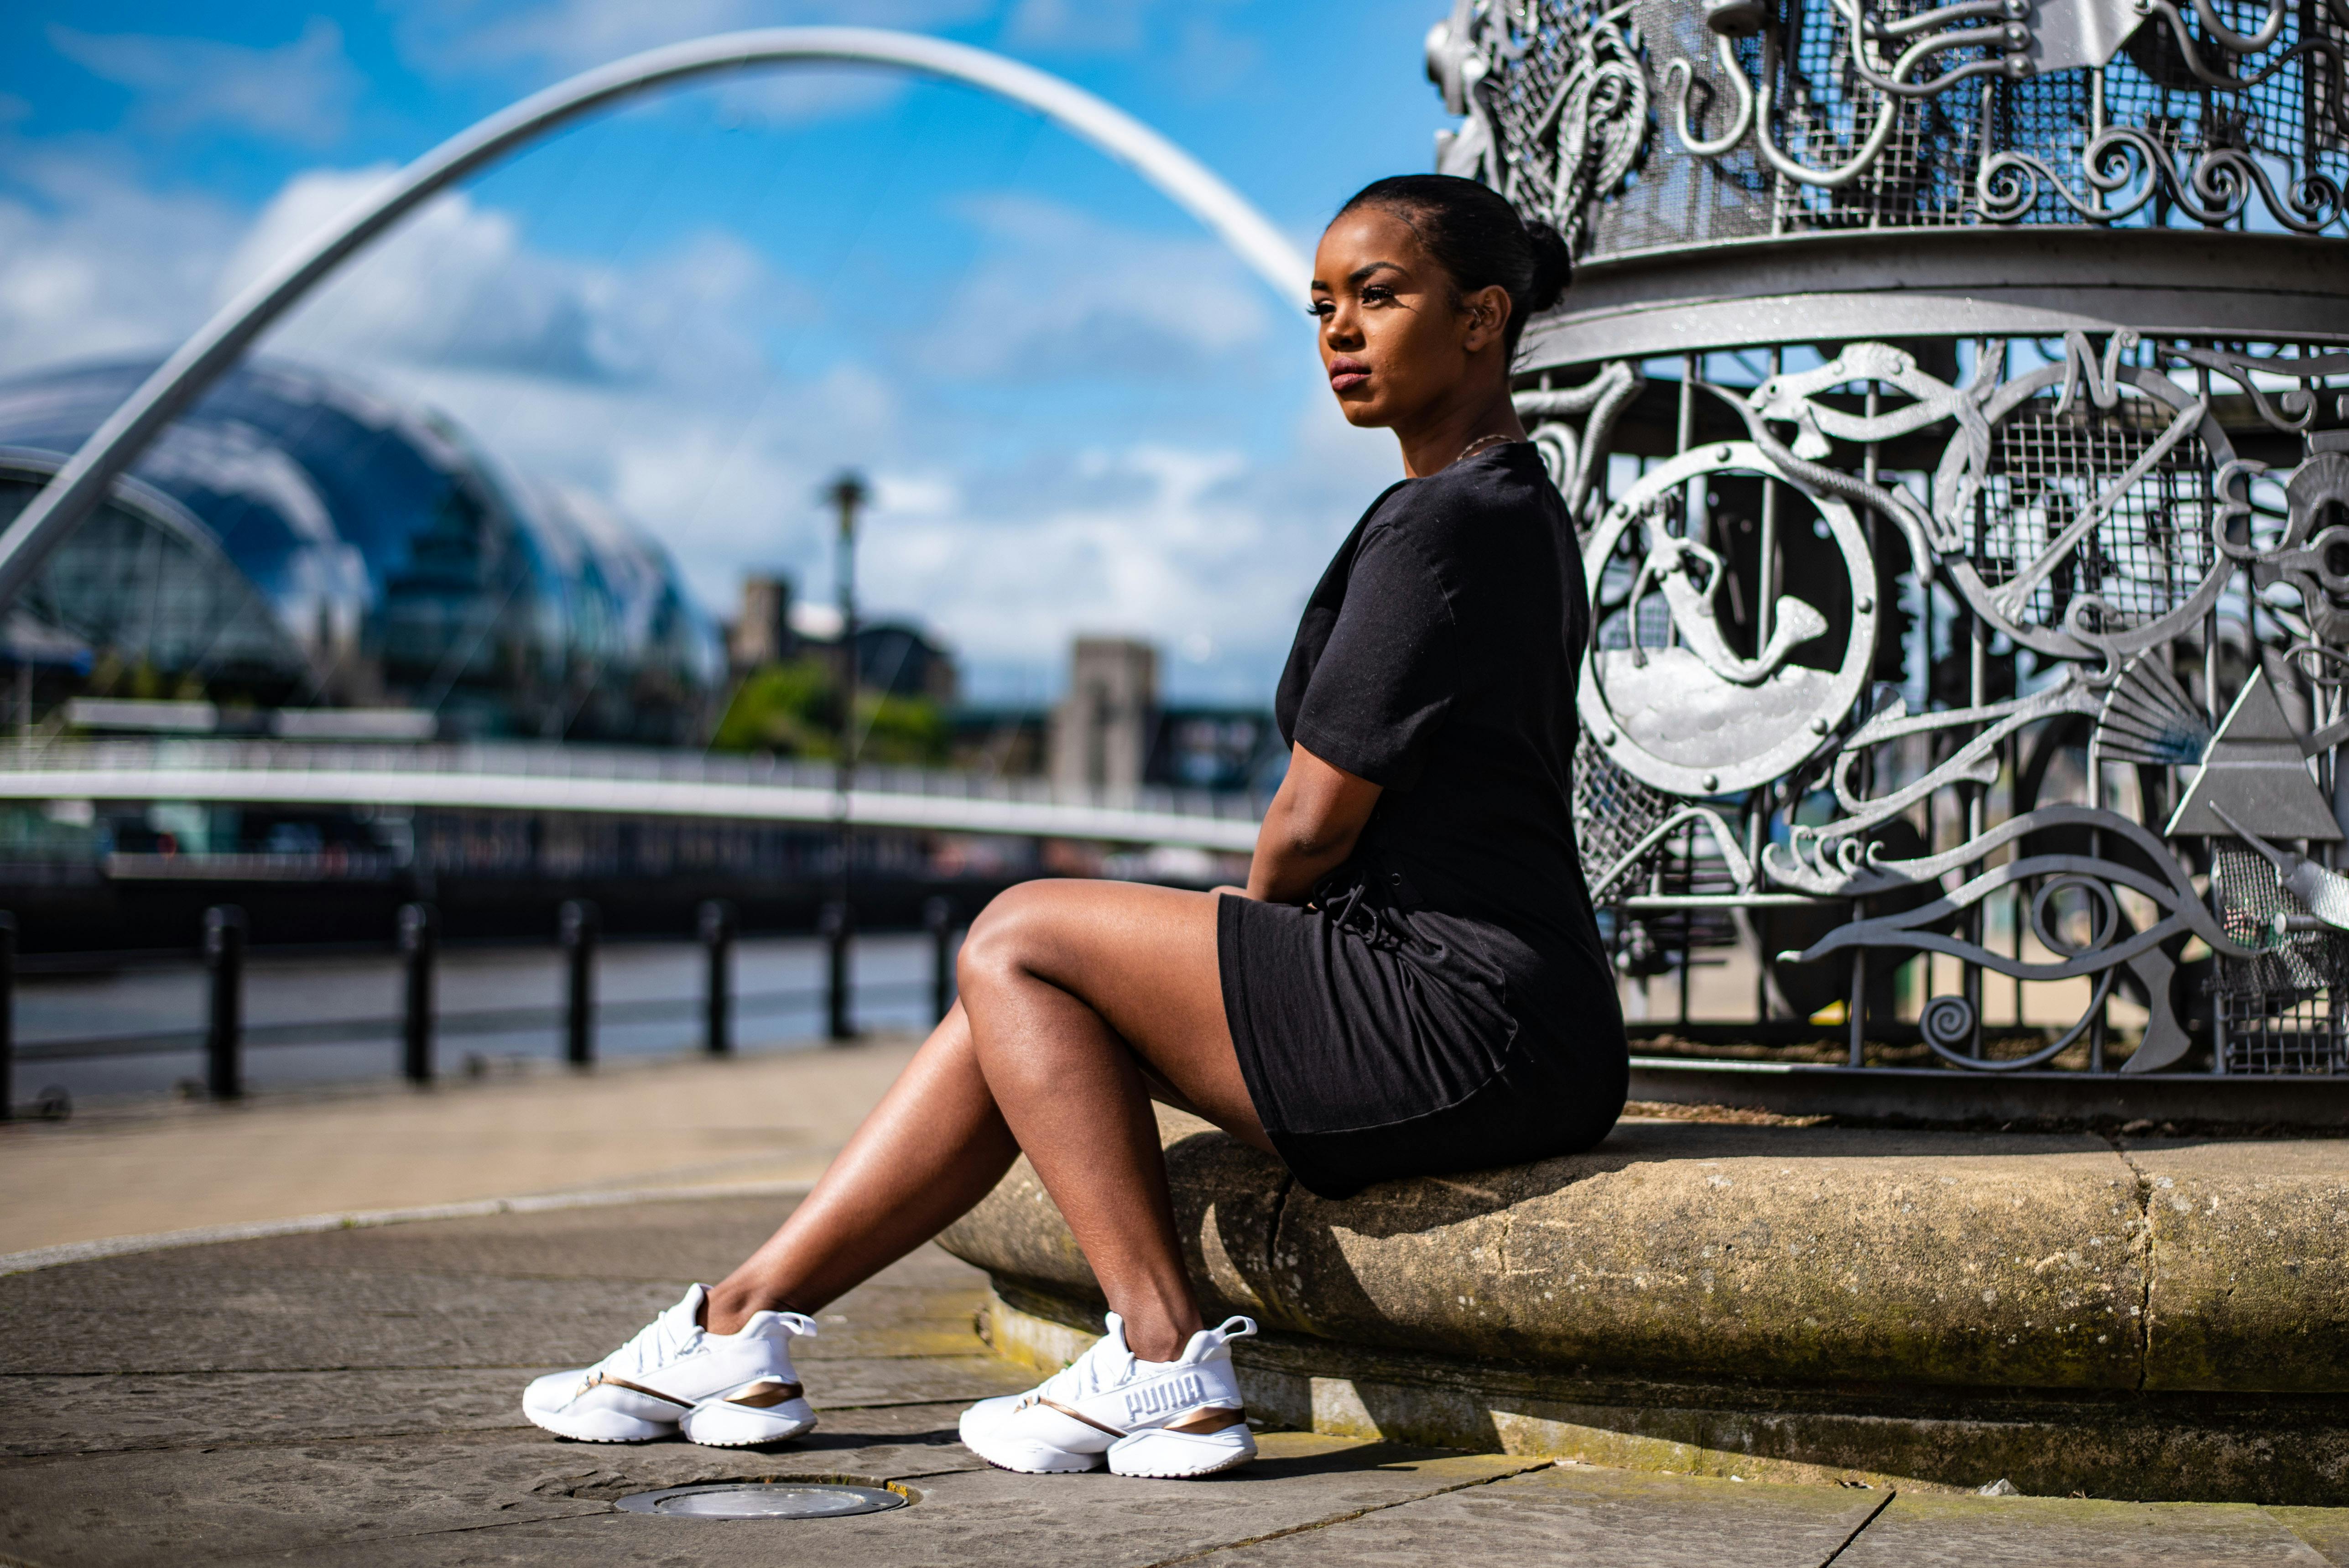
point(765, 1499)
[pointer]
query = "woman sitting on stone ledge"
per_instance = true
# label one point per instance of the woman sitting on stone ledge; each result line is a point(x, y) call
point(1410, 984)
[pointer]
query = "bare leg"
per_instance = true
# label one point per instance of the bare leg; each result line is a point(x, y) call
point(1063, 978)
point(933, 1146)
point(1059, 980)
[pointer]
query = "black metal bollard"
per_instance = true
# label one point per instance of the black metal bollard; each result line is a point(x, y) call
point(937, 919)
point(716, 922)
point(839, 928)
point(419, 943)
point(7, 1014)
point(224, 934)
point(578, 930)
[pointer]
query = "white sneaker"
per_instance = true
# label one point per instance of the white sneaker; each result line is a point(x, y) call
point(723, 1390)
point(1174, 1419)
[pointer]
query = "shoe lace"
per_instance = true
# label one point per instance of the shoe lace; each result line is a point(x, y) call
point(1100, 1366)
point(656, 1345)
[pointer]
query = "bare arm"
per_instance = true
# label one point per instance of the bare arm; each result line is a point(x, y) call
point(1316, 816)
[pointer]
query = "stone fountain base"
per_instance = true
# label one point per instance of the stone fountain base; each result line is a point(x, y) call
point(2162, 1320)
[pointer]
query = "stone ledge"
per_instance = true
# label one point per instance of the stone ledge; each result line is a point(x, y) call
point(2154, 1320)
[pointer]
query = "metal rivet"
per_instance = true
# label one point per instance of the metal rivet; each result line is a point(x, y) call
point(1721, 452)
point(1865, 604)
point(1712, 781)
point(1818, 726)
point(1606, 738)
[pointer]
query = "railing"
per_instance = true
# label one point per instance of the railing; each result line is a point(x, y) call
point(553, 776)
point(223, 1037)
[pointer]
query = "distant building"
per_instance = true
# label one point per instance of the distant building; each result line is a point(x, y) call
point(1112, 732)
point(1217, 748)
point(894, 656)
point(296, 541)
point(903, 661)
point(1102, 728)
point(762, 634)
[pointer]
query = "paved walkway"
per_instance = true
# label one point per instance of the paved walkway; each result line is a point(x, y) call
point(144, 1167)
point(349, 1395)
point(349, 1398)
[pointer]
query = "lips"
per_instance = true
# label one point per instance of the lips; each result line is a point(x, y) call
point(1345, 375)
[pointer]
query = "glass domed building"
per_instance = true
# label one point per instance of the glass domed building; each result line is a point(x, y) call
point(299, 542)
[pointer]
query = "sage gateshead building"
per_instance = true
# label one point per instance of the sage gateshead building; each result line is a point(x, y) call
point(299, 543)
point(304, 557)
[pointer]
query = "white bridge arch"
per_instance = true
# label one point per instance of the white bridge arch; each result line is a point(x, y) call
point(79, 486)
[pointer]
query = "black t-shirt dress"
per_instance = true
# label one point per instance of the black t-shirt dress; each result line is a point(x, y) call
point(1444, 1002)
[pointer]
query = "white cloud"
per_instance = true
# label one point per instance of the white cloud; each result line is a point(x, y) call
point(1110, 26)
point(464, 35)
point(1061, 293)
point(652, 388)
point(1203, 57)
point(457, 285)
point(91, 262)
point(299, 92)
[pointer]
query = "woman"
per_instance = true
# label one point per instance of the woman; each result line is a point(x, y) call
point(1410, 984)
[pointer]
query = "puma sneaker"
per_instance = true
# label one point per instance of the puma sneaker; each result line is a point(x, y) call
point(723, 1390)
point(1173, 1419)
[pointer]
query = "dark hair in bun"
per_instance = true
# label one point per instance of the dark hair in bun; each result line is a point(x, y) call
point(1471, 228)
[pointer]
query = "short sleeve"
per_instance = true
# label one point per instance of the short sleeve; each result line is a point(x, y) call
point(1390, 673)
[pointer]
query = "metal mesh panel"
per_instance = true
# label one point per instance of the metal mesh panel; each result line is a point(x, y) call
point(2291, 121)
point(1612, 810)
point(2279, 1012)
point(1673, 198)
point(2151, 550)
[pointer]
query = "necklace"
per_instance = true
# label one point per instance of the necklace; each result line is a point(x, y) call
point(1478, 445)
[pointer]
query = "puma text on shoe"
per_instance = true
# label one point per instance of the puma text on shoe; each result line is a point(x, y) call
point(723, 1390)
point(1176, 1418)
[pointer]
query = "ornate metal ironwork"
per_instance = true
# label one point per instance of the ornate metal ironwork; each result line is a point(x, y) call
point(1970, 607)
point(1799, 115)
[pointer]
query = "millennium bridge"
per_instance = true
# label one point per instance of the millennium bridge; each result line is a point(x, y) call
point(548, 776)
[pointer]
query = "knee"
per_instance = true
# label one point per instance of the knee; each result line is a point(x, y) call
point(1004, 938)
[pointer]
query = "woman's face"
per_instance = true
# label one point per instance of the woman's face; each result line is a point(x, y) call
point(1395, 342)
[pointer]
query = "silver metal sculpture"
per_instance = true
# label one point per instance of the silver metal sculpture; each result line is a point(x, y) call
point(1953, 403)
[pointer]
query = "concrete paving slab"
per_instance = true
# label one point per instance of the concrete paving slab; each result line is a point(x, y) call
point(1588, 1517)
point(2327, 1529)
point(444, 1295)
point(434, 1502)
point(152, 1410)
point(350, 1397)
point(159, 1166)
point(1923, 1531)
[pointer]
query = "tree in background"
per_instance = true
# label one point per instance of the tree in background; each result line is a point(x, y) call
point(792, 709)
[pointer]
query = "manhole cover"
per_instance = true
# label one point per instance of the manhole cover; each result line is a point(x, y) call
point(765, 1499)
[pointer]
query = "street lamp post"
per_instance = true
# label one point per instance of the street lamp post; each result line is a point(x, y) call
point(847, 494)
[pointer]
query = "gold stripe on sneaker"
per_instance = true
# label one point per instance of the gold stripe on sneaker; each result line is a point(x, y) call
point(1212, 1418)
point(765, 1394)
point(1079, 1416)
point(606, 1381)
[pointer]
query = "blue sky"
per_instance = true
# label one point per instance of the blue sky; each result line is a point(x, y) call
point(1083, 415)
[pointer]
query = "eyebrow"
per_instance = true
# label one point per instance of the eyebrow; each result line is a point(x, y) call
point(1363, 274)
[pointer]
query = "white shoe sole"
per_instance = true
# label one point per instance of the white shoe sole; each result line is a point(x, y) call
point(721, 1424)
point(600, 1426)
point(1027, 1456)
point(1154, 1454)
point(1181, 1455)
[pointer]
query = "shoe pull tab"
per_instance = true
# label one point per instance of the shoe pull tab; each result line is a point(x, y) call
point(1225, 1332)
